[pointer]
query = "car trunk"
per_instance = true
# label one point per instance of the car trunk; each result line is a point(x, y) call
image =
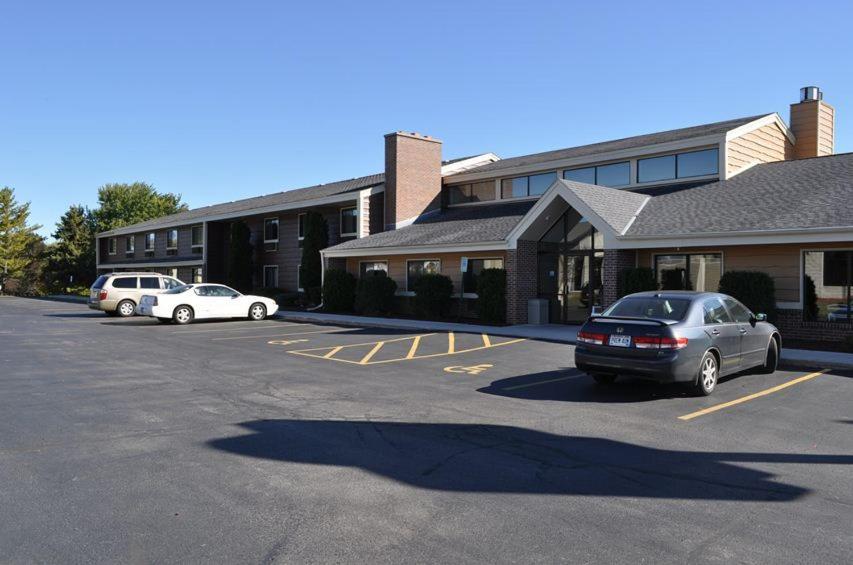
point(620, 335)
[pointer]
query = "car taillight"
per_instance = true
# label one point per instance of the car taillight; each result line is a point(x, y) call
point(589, 337)
point(102, 295)
point(642, 342)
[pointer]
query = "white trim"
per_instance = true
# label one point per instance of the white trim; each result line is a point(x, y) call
point(144, 265)
point(424, 260)
point(341, 220)
point(470, 163)
point(264, 274)
point(634, 217)
point(363, 195)
point(415, 249)
point(300, 215)
point(760, 123)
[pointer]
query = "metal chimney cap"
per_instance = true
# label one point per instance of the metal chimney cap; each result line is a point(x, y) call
point(809, 93)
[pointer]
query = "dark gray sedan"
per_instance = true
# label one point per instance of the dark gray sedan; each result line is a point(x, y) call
point(677, 336)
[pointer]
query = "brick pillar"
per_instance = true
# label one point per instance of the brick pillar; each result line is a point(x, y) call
point(615, 261)
point(521, 281)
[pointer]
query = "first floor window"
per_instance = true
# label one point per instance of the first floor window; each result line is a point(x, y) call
point(827, 281)
point(149, 242)
point(370, 267)
point(197, 239)
point(111, 248)
point(349, 221)
point(129, 244)
point(700, 271)
point(475, 267)
point(173, 272)
point(197, 277)
point(270, 276)
point(417, 269)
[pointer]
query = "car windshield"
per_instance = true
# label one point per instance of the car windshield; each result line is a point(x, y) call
point(653, 307)
point(178, 289)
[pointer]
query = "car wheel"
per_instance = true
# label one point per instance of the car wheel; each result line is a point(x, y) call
point(771, 361)
point(125, 308)
point(257, 312)
point(183, 315)
point(603, 379)
point(709, 372)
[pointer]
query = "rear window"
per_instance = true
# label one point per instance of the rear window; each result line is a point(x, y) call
point(178, 289)
point(124, 282)
point(99, 282)
point(650, 307)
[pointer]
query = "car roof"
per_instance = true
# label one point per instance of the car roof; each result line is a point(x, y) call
point(136, 274)
point(674, 294)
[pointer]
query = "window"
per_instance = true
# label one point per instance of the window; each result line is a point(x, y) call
point(475, 267)
point(651, 307)
point(197, 239)
point(527, 186)
point(738, 311)
point(301, 221)
point(197, 278)
point(149, 242)
point(416, 269)
point(715, 312)
point(615, 174)
point(111, 246)
point(171, 283)
point(125, 282)
point(270, 276)
point(173, 272)
point(472, 192)
point(149, 282)
point(701, 271)
point(216, 291)
point(129, 245)
point(682, 165)
point(271, 234)
point(830, 274)
point(366, 267)
point(172, 239)
point(349, 221)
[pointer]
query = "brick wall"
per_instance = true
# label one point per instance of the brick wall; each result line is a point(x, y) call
point(615, 261)
point(521, 284)
point(412, 176)
point(790, 322)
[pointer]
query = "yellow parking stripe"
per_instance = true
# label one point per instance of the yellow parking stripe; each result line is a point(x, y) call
point(331, 353)
point(451, 343)
point(486, 341)
point(373, 351)
point(753, 396)
point(414, 348)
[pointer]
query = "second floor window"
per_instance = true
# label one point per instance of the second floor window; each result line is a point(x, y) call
point(197, 239)
point(130, 244)
point(149, 242)
point(301, 220)
point(111, 247)
point(271, 234)
point(172, 239)
point(349, 221)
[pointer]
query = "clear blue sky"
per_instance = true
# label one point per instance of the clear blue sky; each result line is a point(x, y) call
point(222, 100)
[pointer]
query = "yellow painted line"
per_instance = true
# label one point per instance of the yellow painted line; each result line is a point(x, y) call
point(358, 344)
point(331, 353)
point(486, 341)
point(373, 352)
point(540, 383)
point(277, 335)
point(414, 348)
point(753, 396)
point(306, 352)
point(451, 343)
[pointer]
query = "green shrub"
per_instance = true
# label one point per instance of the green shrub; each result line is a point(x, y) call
point(432, 295)
point(756, 290)
point(316, 238)
point(374, 293)
point(636, 279)
point(674, 279)
point(338, 291)
point(810, 309)
point(491, 295)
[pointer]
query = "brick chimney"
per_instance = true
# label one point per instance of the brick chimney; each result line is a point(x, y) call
point(813, 124)
point(412, 177)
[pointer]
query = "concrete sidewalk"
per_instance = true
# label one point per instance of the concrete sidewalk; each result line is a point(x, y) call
point(546, 332)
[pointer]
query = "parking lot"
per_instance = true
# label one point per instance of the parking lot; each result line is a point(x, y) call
point(126, 440)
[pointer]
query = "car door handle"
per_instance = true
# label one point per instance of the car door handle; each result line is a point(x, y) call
point(743, 330)
point(715, 331)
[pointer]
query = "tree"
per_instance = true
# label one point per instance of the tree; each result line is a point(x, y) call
point(17, 238)
point(124, 204)
point(73, 253)
point(316, 238)
point(239, 272)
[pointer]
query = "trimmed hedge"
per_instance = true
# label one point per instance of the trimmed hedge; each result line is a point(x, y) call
point(491, 295)
point(636, 279)
point(374, 293)
point(756, 290)
point(338, 291)
point(432, 295)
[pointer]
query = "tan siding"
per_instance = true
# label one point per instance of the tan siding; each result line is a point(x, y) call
point(763, 145)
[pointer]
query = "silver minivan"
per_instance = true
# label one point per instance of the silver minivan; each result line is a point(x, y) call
point(118, 294)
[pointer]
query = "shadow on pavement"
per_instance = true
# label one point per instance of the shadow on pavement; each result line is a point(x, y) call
point(506, 459)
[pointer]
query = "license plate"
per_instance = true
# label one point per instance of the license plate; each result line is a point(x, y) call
point(620, 340)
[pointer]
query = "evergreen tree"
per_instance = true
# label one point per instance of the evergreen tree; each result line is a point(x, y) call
point(73, 253)
point(17, 238)
point(316, 238)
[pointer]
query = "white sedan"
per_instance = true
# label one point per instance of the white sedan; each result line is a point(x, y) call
point(190, 302)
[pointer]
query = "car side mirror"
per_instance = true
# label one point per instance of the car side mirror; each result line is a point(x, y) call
point(760, 317)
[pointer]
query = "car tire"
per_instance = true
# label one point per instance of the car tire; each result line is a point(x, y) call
point(603, 379)
point(257, 312)
point(708, 375)
point(125, 309)
point(771, 360)
point(183, 315)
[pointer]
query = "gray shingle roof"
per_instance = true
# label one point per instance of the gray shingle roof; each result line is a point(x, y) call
point(786, 195)
point(616, 145)
point(464, 224)
point(618, 212)
point(289, 197)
